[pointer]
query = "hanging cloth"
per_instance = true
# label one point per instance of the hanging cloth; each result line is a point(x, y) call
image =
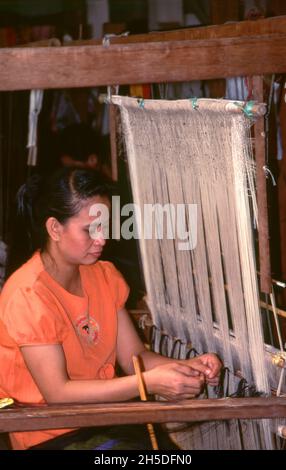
point(36, 101)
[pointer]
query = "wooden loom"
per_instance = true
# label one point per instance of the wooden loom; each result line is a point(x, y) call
point(217, 52)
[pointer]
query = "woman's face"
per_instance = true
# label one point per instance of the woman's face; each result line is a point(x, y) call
point(83, 236)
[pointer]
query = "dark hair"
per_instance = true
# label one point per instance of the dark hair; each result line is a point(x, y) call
point(79, 141)
point(61, 195)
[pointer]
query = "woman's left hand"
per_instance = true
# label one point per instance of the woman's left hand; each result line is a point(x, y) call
point(208, 364)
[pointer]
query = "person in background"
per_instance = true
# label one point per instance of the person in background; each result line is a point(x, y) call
point(79, 146)
point(63, 322)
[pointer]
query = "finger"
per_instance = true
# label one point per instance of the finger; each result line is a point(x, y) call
point(202, 368)
point(209, 358)
point(193, 387)
point(187, 396)
point(187, 370)
point(193, 373)
point(182, 396)
point(215, 371)
point(213, 382)
point(214, 365)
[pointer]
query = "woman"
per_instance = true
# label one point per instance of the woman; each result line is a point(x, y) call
point(63, 322)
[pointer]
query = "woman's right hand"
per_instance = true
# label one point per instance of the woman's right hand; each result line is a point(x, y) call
point(174, 381)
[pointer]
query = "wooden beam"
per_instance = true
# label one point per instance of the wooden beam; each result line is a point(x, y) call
point(68, 67)
point(268, 26)
point(74, 416)
point(52, 42)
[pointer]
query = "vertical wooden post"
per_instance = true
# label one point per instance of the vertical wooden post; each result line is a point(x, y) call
point(263, 226)
point(113, 144)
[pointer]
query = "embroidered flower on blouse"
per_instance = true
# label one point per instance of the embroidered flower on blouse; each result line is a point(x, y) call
point(88, 328)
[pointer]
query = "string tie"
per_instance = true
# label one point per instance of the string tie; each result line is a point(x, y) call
point(194, 102)
point(141, 103)
point(246, 108)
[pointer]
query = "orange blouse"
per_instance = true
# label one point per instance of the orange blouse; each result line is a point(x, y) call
point(35, 309)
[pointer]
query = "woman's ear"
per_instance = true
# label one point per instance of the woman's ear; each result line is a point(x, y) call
point(53, 227)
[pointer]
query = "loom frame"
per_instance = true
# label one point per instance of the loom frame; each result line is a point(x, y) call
point(217, 52)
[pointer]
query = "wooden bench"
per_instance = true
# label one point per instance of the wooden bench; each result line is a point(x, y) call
point(38, 417)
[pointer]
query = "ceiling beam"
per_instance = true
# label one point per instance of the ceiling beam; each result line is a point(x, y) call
point(170, 61)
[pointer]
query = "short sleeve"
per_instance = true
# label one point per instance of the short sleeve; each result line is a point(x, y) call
point(33, 320)
point(118, 287)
